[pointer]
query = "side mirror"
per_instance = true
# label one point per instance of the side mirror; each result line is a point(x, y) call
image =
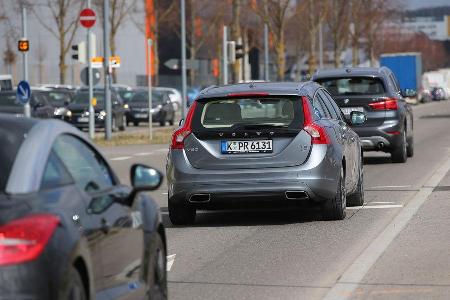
point(181, 122)
point(409, 93)
point(357, 118)
point(143, 178)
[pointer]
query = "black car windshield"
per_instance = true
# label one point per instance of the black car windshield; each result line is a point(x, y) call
point(348, 86)
point(59, 98)
point(249, 114)
point(12, 135)
point(83, 98)
point(126, 95)
point(8, 99)
point(143, 97)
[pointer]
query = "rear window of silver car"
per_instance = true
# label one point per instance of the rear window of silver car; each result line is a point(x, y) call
point(228, 113)
point(353, 86)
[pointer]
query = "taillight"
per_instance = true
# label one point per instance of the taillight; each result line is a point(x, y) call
point(317, 132)
point(24, 239)
point(180, 135)
point(385, 104)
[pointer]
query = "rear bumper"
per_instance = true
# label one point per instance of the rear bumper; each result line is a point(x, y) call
point(318, 178)
point(380, 138)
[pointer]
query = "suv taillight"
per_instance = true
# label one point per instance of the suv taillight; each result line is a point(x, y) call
point(24, 239)
point(384, 104)
point(180, 134)
point(317, 132)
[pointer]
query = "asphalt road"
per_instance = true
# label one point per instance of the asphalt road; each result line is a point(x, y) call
point(394, 247)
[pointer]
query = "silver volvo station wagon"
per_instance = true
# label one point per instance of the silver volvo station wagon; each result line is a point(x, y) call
point(252, 144)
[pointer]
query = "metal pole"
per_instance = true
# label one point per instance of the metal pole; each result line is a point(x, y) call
point(266, 44)
point(150, 102)
point(26, 107)
point(183, 58)
point(320, 45)
point(90, 83)
point(225, 55)
point(108, 125)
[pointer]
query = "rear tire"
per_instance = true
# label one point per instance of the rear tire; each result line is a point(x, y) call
point(157, 274)
point(357, 198)
point(181, 214)
point(136, 123)
point(171, 122)
point(410, 148)
point(400, 155)
point(336, 208)
point(74, 288)
point(124, 124)
point(162, 123)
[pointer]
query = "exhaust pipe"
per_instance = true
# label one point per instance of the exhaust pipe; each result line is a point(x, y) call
point(200, 198)
point(296, 195)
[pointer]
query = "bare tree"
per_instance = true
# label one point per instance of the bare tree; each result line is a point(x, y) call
point(9, 57)
point(119, 11)
point(356, 28)
point(316, 11)
point(41, 55)
point(276, 17)
point(65, 14)
point(236, 35)
point(338, 22)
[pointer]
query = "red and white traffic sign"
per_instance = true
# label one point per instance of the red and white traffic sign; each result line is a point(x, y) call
point(87, 18)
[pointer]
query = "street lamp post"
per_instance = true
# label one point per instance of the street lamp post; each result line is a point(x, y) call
point(183, 58)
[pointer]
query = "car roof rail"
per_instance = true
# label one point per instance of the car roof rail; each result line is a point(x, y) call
point(205, 90)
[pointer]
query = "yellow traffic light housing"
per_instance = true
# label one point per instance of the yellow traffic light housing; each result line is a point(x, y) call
point(24, 45)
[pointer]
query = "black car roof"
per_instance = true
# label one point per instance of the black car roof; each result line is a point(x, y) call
point(340, 72)
point(276, 88)
point(13, 122)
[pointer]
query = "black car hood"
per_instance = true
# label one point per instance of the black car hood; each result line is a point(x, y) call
point(82, 107)
point(10, 109)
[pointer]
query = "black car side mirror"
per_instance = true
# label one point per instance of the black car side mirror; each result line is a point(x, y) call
point(357, 118)
point(144, 178)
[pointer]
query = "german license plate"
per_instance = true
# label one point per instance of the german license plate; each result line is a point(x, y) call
point(141, 116)
point(348, 110)
point(237, 147)
point(83, 120)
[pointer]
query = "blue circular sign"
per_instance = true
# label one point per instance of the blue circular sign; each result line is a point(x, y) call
point(23, 92)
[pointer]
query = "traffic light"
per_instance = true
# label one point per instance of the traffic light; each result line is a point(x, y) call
point(79, 52)
point(23, 45)
point(235, 51)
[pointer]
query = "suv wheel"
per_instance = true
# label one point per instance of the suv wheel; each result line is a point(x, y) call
point(74, 288)
point(181, 214)
point(400, 155)
point(124, 123)
point(336, 208)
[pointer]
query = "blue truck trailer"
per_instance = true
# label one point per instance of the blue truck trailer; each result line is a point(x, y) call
point(407, 67)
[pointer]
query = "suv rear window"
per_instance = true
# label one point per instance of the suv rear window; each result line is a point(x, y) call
point(249, 113)
point(347, 86)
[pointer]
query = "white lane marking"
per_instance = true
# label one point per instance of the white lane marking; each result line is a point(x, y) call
point(375, 206)
point(143, 154)
point(344, 288)
point(390, 187)
point(121, 158)
point(170, 261)
point(162, 150)
point(165, 193)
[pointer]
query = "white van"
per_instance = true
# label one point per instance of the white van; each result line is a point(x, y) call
point(6, 83)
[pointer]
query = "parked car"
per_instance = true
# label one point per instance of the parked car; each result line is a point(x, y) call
point(40, 106)
point(174, 95)
point(438, 94)
point(59, 98)
point(79, 111)
point(162, 108)
point(67, 223)
point(292, 147)
point(376, 92)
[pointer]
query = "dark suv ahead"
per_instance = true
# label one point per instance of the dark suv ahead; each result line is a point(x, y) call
point(376, 92)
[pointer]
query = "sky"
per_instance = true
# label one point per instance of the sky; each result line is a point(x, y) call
point(414, 4)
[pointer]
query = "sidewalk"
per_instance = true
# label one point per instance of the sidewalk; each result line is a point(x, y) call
point(416, 265)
